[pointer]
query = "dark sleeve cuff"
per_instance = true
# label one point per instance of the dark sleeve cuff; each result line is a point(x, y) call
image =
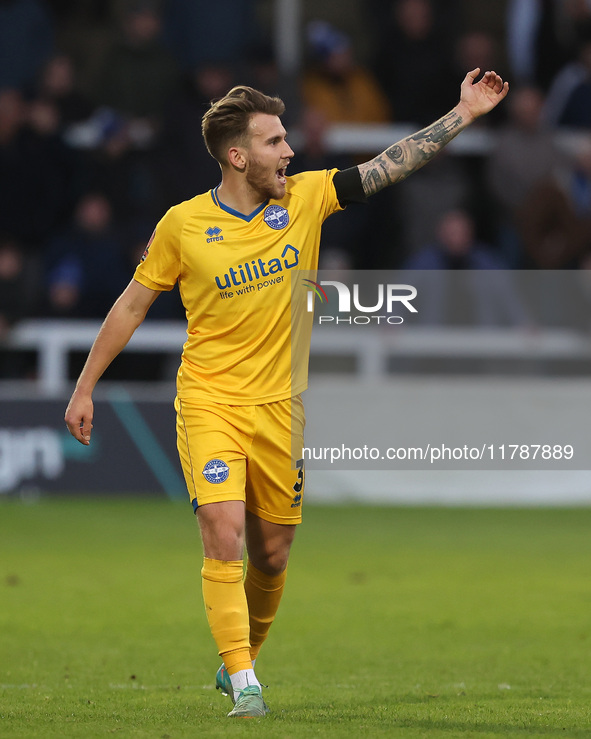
point(349, 189)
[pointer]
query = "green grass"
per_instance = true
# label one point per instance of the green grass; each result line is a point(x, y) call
point(395, 622)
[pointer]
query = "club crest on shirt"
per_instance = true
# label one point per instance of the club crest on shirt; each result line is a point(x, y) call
point(275, 216)
point(216, 471)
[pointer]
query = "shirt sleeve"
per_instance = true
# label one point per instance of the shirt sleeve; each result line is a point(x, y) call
point(160, 266)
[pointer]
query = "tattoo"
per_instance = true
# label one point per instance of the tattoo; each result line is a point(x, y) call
point(395, 153)
point(410, 154)
point(371, 180)
point(441, 131)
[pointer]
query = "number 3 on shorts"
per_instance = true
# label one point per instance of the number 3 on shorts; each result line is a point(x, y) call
point(300, 481)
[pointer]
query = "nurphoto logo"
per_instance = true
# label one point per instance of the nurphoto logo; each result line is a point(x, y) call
point(387, 297)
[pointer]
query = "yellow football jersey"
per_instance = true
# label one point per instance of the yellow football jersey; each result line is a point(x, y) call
point(240, 282)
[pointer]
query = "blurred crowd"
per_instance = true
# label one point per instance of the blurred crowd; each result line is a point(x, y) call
point(101, 103)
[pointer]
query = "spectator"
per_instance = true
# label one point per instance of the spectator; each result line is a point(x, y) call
point(85, 31)
point(413, 65)
point(551, 234)
point(18, 284)
point(85, 264)
point(35, 170)
point(455, 247)
point(525, 155)
point(263, 71)
point(489, 17)
point(538, 40)
point(186, 166)
point(18, 300)
point(199, 32)
point(126, 174)
point(58, 86)
point(26, 42)
point(335, 85)
point(425, 197)
point(569, 99)
point(335, 89)
point(472, 297)
point(138, 75)
point(579, 185)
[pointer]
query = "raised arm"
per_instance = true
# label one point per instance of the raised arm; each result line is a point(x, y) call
point(409, 154)
point(124, 317)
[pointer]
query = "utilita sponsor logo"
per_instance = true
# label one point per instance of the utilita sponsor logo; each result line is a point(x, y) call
point(388, 297)
point(258, 269)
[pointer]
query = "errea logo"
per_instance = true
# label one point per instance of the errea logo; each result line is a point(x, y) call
point(214, 234)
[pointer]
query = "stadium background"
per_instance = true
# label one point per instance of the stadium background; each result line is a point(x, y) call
point(447, 620)
point(100, 104)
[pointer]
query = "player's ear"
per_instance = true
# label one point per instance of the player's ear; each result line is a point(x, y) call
point(237, 157)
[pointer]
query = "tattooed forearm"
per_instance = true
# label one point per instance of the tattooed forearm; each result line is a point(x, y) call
point(395, 153)
point(441, 131)
point(410, 154)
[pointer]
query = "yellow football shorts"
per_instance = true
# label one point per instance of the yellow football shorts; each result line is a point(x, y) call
point(251, 453)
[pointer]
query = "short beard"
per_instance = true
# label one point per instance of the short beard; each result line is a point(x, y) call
point(258, 179)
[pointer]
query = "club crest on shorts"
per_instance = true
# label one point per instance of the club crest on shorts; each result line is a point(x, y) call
point(276, 217)
point(216, 471)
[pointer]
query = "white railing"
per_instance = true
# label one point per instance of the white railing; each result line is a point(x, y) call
point(372, 347)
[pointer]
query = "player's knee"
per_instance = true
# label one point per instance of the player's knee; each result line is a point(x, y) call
point(227, 549)
point(278, 564)
point(272, 558)
point(222, 530)
point(224, 543)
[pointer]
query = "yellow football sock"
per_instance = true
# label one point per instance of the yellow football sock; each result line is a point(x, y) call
point(227, 611)
point(263, 593)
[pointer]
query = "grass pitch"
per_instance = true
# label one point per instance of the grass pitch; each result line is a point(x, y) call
point(395, 622)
